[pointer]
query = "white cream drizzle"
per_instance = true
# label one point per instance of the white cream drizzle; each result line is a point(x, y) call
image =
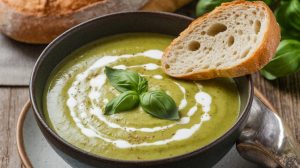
point(183, 102)
point(79, 113)
point(149, 66)
point(157, 76)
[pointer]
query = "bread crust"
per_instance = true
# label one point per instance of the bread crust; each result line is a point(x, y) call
point(167, 5)
point(39, 24)
point(260, 57)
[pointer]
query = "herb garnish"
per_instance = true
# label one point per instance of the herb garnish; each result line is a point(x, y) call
point(134, 91)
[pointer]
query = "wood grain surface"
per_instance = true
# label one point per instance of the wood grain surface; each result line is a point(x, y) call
point(11, 102)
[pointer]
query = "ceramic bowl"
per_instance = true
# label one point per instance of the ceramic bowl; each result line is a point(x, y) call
point(164, 23)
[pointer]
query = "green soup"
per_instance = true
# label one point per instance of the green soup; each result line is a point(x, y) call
point(77, 92)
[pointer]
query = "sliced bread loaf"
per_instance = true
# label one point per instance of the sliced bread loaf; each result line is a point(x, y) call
point(235, 39)
point(40, 21)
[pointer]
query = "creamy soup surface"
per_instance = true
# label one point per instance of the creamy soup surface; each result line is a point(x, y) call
point(78, 90)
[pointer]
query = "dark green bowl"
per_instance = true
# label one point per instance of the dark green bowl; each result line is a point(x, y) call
point(164, 23)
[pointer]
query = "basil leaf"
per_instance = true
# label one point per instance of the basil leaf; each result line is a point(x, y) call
point(287, 15)
point(125, 80)
point(124, 102)
point(293, 14)
point(285, 62)
point(159, 104)
point(142, 85)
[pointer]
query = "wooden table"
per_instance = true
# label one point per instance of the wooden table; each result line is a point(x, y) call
point(283, 93)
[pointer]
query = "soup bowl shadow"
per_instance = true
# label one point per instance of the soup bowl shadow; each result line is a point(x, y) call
point(151, 22)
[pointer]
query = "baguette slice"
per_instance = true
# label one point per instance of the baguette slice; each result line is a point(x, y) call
point(235, 39)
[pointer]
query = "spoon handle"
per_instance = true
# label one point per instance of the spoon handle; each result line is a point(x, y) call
point(266, 140)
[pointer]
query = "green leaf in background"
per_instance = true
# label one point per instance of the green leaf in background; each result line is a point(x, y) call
point(204, 6)
point(293, 14)
point(159, 104)
point(286, 61)
point(288, 16)
point(125, 80)
point(125, 101)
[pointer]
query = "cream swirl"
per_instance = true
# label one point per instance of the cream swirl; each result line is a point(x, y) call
point(94, 78)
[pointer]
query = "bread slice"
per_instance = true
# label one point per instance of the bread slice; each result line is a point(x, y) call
point(235, 39)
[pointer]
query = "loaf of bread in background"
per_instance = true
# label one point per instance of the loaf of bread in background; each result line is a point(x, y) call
point(165, 5)
point(40, 21)
point(235, 39)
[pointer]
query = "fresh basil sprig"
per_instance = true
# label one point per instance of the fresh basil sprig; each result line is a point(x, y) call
point(285, 62)
point(159, 104)
point(133, 88)
point(125, 80)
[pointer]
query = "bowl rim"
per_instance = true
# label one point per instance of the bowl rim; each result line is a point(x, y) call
point(242, 116)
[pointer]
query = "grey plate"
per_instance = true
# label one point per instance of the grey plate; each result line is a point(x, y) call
point(41, 155)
